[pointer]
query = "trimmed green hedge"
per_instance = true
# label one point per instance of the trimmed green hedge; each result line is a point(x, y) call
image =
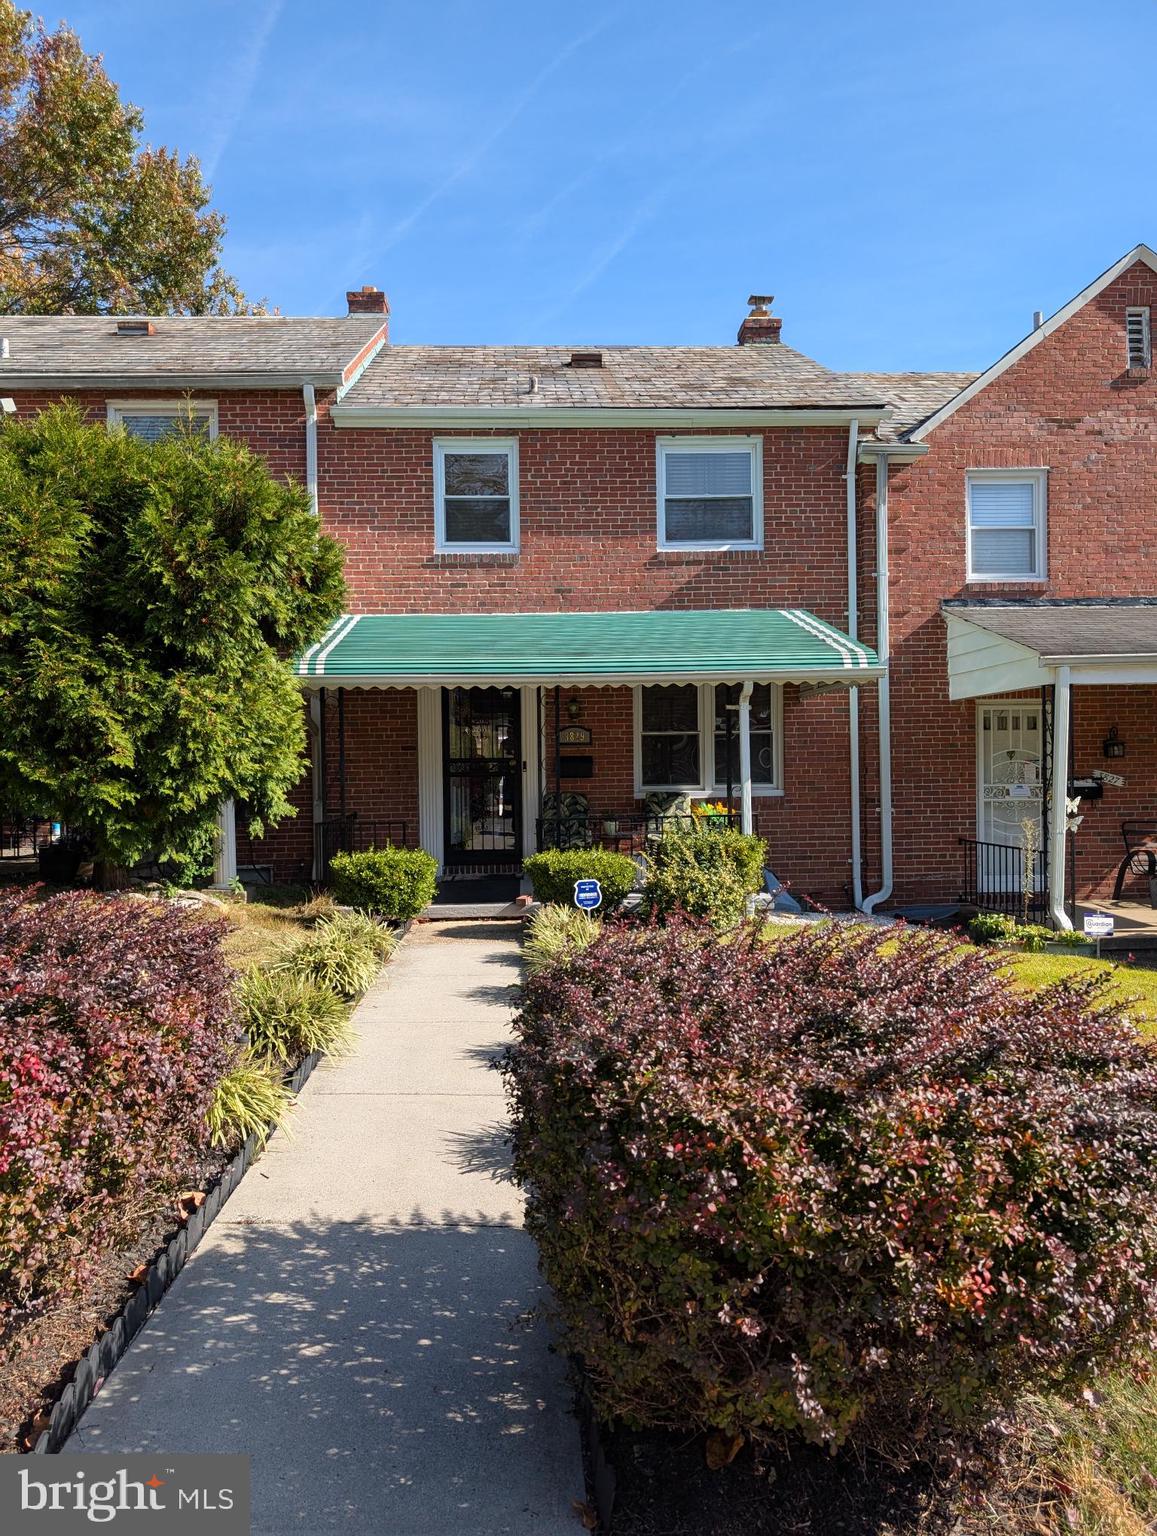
point(397, 883)
point(553, 874)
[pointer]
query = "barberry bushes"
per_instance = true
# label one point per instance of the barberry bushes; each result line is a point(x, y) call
point(116, 1021)
point(847, 1184)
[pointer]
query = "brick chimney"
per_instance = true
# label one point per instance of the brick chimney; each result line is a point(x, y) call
point(760, 328)
point(367, 300)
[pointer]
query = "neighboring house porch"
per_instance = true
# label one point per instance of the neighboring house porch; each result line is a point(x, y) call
point(1066, 738)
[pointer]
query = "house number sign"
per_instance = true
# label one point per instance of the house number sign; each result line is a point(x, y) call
point(574, 736)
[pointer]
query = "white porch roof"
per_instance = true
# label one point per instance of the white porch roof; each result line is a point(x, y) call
point(999, 647)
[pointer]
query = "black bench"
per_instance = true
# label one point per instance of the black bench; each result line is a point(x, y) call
point(1140, 853)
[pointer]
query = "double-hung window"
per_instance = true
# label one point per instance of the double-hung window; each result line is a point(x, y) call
point(476, 496)
point(154, 419)
point(1006, 524)
point(710, 493)
point(685, 732)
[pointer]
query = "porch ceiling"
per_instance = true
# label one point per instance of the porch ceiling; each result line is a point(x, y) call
point(997, 646)
point(408, 650)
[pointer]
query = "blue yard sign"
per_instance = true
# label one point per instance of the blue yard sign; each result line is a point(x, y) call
point(588, 894)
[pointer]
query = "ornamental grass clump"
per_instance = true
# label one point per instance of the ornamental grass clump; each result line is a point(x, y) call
point(116, 1021)
point(250, 1100)
point(553, 934)
point(287, 1017)
point(341, 953)
point(848, 1185)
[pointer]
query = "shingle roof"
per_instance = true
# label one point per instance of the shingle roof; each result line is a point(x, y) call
point(1068, 626)
point(752, 377)
point(184, 347)
point(913, 396)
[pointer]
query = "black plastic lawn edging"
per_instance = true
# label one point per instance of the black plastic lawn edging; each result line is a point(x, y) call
point(99, 1359)
point(596, 1455)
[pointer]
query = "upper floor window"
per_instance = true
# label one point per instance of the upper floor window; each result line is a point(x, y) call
point(476, 495)
point(154, 419)
point(1006, 525)
point(685, 732)
point(710, 493)
point(1137, 337)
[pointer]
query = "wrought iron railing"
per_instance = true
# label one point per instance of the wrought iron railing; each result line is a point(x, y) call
point(626, 832)
point(994, 878)
point(352, 834)
point(23, 837)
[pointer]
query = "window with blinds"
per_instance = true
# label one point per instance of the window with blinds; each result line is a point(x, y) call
point(1006, 526)
point(1137, 337)
point(152, 420)
point(710, 493)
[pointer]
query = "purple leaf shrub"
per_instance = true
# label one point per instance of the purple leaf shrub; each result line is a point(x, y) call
point(116, 1020)
point(847, 1184)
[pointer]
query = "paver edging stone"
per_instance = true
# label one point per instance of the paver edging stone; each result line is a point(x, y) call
point(99, 1359)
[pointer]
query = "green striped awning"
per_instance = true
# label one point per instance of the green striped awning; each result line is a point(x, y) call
point(407, 650)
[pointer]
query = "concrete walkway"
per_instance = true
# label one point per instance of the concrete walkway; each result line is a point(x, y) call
point(355, 1320)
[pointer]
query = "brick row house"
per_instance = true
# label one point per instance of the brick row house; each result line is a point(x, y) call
point(886, 618)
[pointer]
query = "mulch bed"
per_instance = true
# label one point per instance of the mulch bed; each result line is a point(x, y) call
point(38, 1358)
point(665, 1488)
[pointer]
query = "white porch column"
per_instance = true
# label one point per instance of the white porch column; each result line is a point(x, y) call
point(430, 832)
point(225, 850)
point(746, 819)
point(1058, 803)
point(531, 778)
point(316, 754)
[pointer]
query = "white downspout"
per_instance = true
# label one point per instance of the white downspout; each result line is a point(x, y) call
point(854, 693)
point(309, 396)
point(745, 813)
point(225, 847)
point(1058, 806)
point(883, 688)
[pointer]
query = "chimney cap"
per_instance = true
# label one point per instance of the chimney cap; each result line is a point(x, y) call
point(759, 302)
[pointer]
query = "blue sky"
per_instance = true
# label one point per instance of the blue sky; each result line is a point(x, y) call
point(910, 182)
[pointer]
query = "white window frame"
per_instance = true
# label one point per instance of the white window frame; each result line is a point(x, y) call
point(753, 445)
point(445, 445)
point(118, 409)
point(1038, 479)
point(776, 785)
point(1143, 311)
point(708, 786)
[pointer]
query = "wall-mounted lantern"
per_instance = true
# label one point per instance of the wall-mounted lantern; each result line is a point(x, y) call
point(1113, 746)
point(574, 707)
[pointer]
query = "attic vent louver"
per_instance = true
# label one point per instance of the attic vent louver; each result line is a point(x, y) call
point(136, 328)
point(1137, 337)
point(586, 360)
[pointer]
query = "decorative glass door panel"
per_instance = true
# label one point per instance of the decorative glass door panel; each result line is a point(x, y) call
point(1010, 751)
point(483, 757)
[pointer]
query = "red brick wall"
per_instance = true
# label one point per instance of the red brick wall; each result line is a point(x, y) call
point(271, 421)
point(1067, 405)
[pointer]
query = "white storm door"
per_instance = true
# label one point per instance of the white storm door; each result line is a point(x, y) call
point(1010, 748)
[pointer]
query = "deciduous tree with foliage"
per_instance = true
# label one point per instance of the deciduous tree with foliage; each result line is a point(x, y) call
point(149, 593)
point(91, 220)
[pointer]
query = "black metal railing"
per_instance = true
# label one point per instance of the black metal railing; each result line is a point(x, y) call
point(353, 834)
point(23, 837)
point(626, 832)
point(994, 878)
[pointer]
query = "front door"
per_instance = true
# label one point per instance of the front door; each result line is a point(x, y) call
point(1009, 756)
point(483, 758)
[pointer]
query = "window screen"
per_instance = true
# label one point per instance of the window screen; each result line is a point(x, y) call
point(1002, 527)
point(708, 496)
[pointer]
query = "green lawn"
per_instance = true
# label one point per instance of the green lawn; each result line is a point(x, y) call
point(1130, 983)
